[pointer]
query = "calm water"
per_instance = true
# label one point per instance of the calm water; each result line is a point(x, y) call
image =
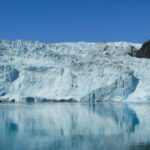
point(74, 126)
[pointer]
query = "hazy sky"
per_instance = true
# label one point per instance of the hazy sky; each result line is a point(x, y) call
point(75, 20)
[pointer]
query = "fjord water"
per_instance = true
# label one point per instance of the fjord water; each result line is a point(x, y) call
point(74, 126)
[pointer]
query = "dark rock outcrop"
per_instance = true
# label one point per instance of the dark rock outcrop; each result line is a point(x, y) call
point(67, 100)
point(30, 99)
point(133, 51)
point(7, 100)
point(144, 51)
point(12, 101)
point(45, 100)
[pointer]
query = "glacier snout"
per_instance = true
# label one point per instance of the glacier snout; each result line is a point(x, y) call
point(73, 71)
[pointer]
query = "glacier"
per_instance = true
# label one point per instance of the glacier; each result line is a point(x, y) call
point(78, 71)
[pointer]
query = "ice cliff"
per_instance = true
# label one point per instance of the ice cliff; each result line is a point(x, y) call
point(73, 71)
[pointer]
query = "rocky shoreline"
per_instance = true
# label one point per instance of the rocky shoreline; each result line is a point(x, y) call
point(7, 100)
point(38, 100)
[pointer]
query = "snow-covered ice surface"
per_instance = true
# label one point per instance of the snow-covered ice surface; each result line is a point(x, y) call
point(81, 71)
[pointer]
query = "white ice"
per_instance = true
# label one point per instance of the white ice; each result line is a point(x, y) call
point(73, 70)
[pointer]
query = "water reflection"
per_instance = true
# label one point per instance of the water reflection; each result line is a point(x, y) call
point(125, 118)
point(75, 126)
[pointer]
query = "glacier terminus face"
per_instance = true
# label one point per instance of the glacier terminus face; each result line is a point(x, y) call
point(73, 71)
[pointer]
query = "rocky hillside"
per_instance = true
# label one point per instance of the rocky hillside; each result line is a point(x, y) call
point(144, 51)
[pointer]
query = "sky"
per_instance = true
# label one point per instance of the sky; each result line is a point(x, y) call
point(52, 21)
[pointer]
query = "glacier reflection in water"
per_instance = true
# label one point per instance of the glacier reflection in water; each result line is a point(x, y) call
point(74, 126)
